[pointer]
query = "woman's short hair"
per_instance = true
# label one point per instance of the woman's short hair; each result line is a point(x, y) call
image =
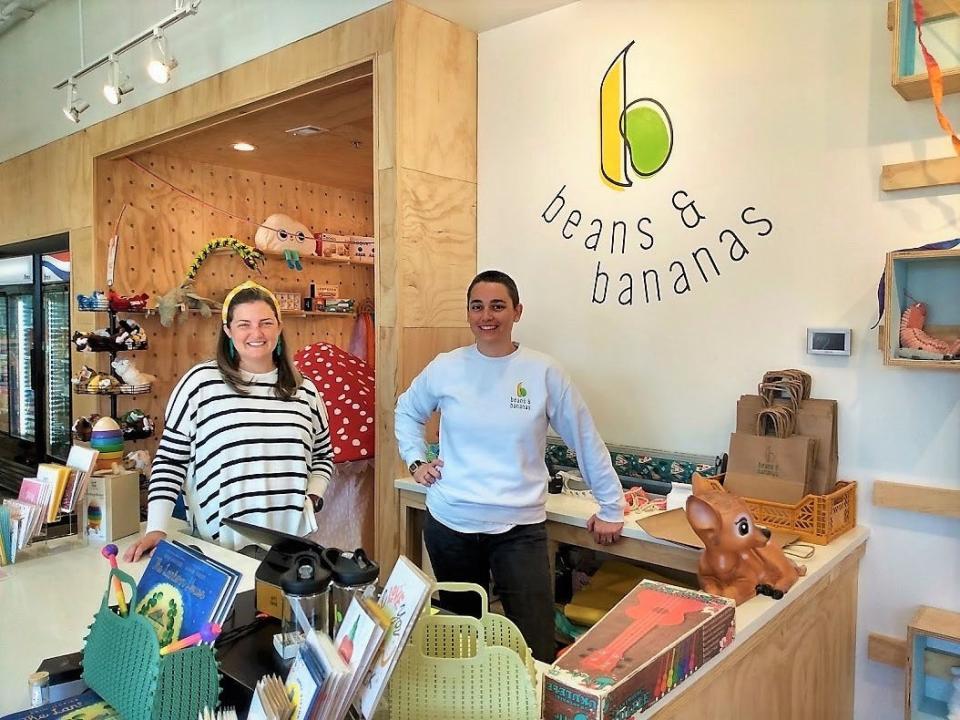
point(496, 276)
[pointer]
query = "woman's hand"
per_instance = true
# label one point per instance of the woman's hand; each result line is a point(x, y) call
point(144, 545)
point(428, 473)
point(604, 533)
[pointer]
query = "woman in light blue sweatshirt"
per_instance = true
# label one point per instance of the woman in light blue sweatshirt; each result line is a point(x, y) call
point(486, 493)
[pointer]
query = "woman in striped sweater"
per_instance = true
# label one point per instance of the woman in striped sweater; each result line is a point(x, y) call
point(245, 436)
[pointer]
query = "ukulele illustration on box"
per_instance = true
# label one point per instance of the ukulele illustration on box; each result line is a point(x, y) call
point(649, 610)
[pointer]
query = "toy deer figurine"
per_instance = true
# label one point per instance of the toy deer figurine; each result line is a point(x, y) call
point(739, 560)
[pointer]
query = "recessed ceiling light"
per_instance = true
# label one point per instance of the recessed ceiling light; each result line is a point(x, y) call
point(244, 147)
point(307, 130)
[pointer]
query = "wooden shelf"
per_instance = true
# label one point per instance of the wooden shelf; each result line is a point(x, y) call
point(920, 174)
point(933, 276)
point(316, 313)
point(887, 650)
point(917, 498)
point(917, 86)
point(303, 258)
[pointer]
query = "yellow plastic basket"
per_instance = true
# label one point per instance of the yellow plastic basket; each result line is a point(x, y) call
point(462, 668)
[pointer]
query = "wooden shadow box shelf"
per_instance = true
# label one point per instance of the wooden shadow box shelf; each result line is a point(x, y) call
point(933, 648)
point(933, 278)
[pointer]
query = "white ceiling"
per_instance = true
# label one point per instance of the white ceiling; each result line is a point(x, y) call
point(482, 15)
point(14, 11)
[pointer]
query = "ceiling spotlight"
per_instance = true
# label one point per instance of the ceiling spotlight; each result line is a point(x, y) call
point(74, 105)
point(116, 87)
point(244, 147)
point(162, 63)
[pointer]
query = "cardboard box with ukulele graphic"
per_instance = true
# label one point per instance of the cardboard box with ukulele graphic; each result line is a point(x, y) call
point(649, 643)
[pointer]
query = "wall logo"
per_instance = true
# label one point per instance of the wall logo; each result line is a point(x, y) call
point(635, 258)
point(635, 135)
point(520, 401)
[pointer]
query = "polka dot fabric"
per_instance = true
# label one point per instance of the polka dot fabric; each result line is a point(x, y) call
point(346, 384)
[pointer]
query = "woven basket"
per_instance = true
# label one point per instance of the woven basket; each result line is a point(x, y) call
point(462, 668)
point(122, 663)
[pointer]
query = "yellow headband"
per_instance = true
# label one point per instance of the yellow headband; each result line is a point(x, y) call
point(248, 285)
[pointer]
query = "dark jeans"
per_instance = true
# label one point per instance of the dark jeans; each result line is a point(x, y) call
point(521, 573)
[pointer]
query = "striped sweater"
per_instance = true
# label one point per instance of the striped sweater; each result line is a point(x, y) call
point(248, 457)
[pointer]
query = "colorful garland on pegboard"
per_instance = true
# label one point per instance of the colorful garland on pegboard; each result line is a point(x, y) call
point(936, 77)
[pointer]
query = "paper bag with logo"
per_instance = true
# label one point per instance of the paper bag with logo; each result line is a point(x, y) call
point(770, 468)
point(815, 418)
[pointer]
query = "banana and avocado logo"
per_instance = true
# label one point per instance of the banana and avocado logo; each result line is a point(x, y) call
point(521, 390)
point(635, 135)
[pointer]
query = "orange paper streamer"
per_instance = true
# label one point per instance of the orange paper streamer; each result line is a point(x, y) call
point(936, 78)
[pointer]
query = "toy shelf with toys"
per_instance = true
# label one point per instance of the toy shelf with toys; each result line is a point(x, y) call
point(921, 319)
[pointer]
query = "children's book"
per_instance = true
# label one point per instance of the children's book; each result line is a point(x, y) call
point(85, 706)
point(403, 598)
point(225, 604)
point(180, 591)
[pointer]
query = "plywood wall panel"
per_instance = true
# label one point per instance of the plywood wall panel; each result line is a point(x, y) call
point(46, 191)
point(437, 250)
point(437, 94)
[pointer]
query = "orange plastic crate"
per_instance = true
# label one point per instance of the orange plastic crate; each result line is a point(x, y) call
point(818, 519)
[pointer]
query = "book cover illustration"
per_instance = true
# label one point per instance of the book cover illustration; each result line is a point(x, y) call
point(403, 597)
point(85, 706)
point(179, 592)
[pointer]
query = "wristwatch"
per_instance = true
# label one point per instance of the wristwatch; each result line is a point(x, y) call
point(414, 465)
point(317, 502)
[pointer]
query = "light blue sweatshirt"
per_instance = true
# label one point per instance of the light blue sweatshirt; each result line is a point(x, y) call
point(494, 414)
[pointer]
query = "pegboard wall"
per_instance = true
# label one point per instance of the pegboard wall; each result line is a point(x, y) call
point(162, 230)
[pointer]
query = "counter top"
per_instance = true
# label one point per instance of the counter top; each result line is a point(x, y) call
point(48, 599)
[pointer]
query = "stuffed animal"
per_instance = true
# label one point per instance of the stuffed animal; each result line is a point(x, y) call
point(83, 427)
point(739, 559)
point(122, 303)
point(138, 460)
point(131, 374)
point(97, 341)
point(136, 425)
point(102, 383)
point(130, 336)
point(281, 232)
point(96, 301)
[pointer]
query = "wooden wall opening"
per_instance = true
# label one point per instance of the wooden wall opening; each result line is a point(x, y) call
point(186, 190)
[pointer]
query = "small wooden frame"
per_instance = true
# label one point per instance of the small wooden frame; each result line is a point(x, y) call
point(929, 276)
point(912, 85)
point(933, 647)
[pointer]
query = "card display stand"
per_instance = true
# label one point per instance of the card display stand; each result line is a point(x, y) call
point(465, 668)
point(122, 663)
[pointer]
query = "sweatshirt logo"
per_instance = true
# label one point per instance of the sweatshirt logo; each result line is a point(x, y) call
point(520, 401)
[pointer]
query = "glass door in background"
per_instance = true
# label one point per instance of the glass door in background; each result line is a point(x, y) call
point(55, 293)
point(35, 399)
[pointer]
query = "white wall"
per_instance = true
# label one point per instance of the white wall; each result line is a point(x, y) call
point(785, 107)
point(40, 52)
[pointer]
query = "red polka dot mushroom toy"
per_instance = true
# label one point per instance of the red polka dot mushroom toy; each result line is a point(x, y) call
point(347, 386)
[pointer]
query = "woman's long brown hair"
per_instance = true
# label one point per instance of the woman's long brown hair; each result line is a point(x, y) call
point(288, 379)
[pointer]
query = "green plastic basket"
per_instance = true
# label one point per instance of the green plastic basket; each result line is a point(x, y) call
point(122, 663)
point(462, 668)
